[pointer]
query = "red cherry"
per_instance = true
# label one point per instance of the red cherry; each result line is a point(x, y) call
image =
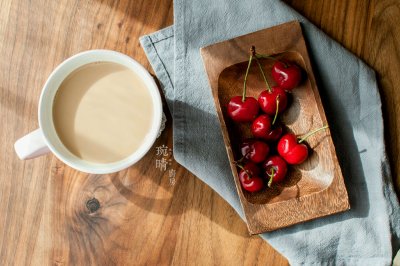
point(286, 75)
point(274, 134)
point(252, 168)
point(254, 150)
point(243, 111)
point(261, 126)
point(249, 177)
point(242, 108)
point(267, 100)
point(275, 169)
point(292, 151)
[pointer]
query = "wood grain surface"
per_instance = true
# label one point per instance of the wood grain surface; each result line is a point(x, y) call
point(48, 215)
point(310, 190)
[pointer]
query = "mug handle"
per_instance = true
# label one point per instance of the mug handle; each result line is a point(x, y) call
point(31, 146)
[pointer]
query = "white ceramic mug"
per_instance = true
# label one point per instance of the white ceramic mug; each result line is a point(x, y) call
point(45, 139)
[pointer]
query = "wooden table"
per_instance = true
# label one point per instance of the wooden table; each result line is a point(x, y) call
point(146, 215)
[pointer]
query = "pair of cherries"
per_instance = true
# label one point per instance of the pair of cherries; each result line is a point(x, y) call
point(286, 75)
point(274, 168)
point(291, 149)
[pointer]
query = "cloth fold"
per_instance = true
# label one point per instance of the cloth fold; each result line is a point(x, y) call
point(368, 234)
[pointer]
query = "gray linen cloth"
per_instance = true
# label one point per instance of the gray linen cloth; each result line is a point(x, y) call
point(368, 234)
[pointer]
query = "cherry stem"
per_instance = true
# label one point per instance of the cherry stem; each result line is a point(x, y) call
point(271, 177)
point(247, 73)
point(253, 49)
point(241, 159)
point(277, 109)
point(312, 133)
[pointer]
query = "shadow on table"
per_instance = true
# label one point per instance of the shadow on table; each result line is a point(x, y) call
point(187, 193)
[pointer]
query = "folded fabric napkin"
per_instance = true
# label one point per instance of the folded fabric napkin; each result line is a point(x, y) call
point(368, 234)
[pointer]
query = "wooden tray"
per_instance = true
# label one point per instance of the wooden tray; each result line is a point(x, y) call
point(312, 189)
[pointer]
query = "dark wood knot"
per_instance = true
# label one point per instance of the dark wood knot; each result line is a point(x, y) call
point(93, 205)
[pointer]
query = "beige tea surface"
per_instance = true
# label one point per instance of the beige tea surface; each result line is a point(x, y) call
point(102, 112)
